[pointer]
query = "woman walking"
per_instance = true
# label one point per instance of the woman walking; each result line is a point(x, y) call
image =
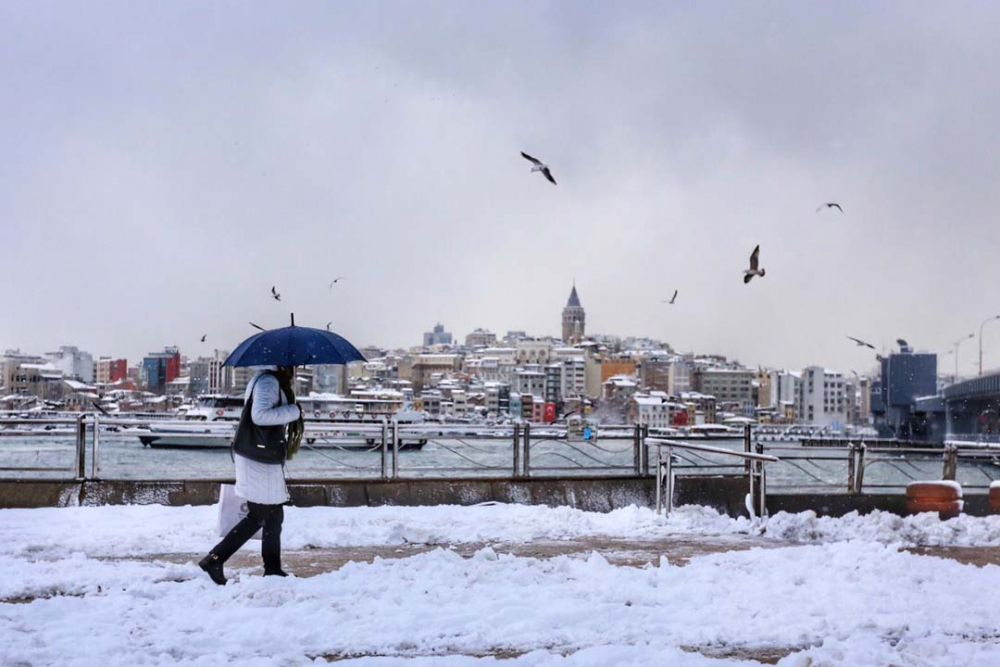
point(269, 432)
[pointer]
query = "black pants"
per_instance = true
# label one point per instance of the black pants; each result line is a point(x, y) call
point(268, 517)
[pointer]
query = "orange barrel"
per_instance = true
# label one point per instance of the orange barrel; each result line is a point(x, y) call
point(995, 497)
point(943, 497)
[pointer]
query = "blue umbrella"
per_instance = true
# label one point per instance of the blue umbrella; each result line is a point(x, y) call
point(293, 346)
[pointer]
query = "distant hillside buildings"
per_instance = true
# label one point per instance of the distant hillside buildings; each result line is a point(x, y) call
point(485, 377)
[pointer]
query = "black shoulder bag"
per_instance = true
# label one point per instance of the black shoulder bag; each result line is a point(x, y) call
point(264, 444)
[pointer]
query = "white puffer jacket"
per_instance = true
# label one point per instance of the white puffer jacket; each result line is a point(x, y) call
point(257, 482)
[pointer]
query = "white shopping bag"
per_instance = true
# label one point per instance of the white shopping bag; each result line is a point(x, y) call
point(232, 509)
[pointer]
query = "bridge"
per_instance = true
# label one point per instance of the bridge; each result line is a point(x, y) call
point(973, 406)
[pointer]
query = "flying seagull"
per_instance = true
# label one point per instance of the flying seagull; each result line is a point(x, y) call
point(204, 337)
point(748, 274)
point(672, 299)
point(830, 204)
point(257, 326)
point(861, 343)
point(328, 324)
point(539, 166)
point(336, 280)
point(274, 294)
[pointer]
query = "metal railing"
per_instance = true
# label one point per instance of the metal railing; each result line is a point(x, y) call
point(562, 454)
point(853, 463)
point(753, 463)
point(379, 450)
point(391, 451)
point(77, 468)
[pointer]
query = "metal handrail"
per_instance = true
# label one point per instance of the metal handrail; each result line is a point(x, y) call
point(665, 470)
point(860, 456)
point(663, 442)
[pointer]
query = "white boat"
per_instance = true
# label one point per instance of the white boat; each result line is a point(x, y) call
point(353, 422)
point(712, 432)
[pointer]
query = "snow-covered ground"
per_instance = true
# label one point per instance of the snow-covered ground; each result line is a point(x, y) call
point(156, 529)
point(833, 592)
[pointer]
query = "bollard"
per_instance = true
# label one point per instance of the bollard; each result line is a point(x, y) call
point(81, 448)
point(950, 468)
point(517, 450)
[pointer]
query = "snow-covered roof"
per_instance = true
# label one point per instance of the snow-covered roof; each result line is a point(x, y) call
point(76, 385)
point(39, 367)
point(694, 395)
point(647, 400)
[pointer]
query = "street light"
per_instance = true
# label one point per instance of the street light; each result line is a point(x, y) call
point(955, 345)
point(985, 322)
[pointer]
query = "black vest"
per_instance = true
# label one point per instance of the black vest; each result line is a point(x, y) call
point(264, 444)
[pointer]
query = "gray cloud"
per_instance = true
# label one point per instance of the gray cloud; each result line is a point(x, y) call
point(165, 164)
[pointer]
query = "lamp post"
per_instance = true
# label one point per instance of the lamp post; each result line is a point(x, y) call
point(955, 345)
point(985, 322)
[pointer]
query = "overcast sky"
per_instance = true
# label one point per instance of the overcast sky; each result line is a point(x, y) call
point(163, 164)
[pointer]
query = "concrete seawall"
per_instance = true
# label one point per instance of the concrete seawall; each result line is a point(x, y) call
point(598, 494)
point(725, 493)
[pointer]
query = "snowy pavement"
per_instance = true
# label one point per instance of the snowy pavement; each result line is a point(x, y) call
point(500, 585)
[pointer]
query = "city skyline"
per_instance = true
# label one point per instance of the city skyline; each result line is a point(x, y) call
point(165, 169)
point(573, 306)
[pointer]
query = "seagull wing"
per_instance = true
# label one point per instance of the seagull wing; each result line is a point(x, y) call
point(274, 291)
point(754, 259)
point(837, 205)
point(529, 158)
point(548, 175)
point(747, 278)
point(674, 297)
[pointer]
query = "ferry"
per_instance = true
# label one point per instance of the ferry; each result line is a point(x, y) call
point(352, 422)
point(712, 432)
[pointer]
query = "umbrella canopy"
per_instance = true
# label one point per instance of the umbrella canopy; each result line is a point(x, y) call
point(293, 346)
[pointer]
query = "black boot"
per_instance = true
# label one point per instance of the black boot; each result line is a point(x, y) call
point(213, 566)
point(270, 545)
point(237, 537)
